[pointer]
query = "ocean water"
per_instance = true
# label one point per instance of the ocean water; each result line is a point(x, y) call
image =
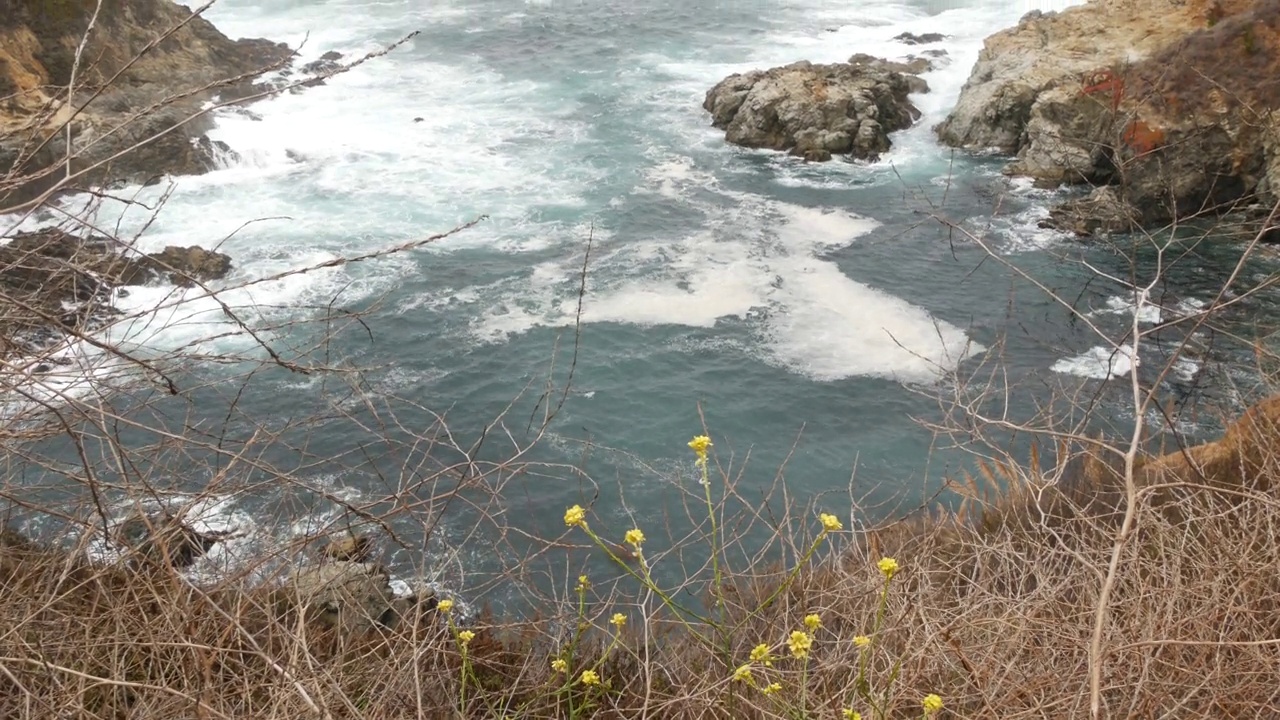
point(810, 314)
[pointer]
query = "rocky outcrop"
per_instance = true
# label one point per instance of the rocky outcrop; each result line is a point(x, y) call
point(818, 111)
point(146, 68)
point(51, 281)
point(1168, 101)
point(162, 540)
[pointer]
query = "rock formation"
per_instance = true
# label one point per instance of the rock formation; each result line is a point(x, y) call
point(51, 281)
point(1170, 102)
point(118, 103)
point(818, 111)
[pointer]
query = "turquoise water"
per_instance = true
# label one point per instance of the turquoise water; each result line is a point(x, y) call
point(809, 312)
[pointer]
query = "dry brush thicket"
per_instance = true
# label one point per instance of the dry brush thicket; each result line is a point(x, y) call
point(1117, 581)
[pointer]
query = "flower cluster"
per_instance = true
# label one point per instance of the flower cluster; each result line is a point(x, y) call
point(800, 642)
point(888, 566)
point(699, 445)
point(830, 523)
point(559, 665)
point(634, 538)
point(590, 677)
point(575, 516)
point(931, 703)
point(762, 655)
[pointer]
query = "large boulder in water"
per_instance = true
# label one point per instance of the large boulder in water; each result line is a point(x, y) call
point(814, 111)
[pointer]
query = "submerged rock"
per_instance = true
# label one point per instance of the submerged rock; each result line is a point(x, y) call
point(921, 39)
point(814, 111)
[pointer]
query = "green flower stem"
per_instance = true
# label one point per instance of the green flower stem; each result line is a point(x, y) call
point(791, 577)
point(647, 580)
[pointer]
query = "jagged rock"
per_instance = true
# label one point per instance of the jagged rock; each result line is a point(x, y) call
point(921, 39)
point(813, 111)
point(912, 67)
point(183, 266)
point(326, 63)
point(1172, 109)
point(162, 540)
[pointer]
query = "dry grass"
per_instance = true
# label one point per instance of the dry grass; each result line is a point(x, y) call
point(993, 610)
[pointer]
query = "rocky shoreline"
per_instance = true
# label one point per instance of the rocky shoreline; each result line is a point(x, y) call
point(1163, 107)
point(147, 71)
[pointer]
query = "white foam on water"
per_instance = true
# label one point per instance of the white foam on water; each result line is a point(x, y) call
point(761, 261)
point(1098, 363)
point(1149, 314)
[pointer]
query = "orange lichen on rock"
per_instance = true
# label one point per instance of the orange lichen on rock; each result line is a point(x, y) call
point(1142, 138)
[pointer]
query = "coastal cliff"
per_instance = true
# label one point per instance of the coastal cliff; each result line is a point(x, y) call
point(1164, 107)
point(145, 68)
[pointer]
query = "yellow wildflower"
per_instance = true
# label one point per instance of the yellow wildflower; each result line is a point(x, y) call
point(583, 584)
point(699, 445)
point(762, 655)
point(800, 642)
point(849, 714)
point(634, 537)
point(559, 665)
point(830, 523)
point(445, 606)
point(888, 566)
point(813, 622)
point(743, 674)
point(861, 640)
point(575, 516)
point(932, 703)
point(771, 688)
point(618, 620)
point(466, 636)
point(590, 677)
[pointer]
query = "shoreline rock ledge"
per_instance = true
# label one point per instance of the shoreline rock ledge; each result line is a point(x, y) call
point(1165, 107)
point(819, 111)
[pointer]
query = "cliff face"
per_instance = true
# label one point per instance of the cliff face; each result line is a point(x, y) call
point(1170, 102)
point(138, 54)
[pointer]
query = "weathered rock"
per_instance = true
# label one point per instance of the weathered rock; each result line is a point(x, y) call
point(921, 39)
point(813, 111)
point(162, 540)
point(910, 68)
point(350, 597)
point(184, 266)
point(1102, 212)
point(53, 281)
point(1170, 107)
point(38, 42)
